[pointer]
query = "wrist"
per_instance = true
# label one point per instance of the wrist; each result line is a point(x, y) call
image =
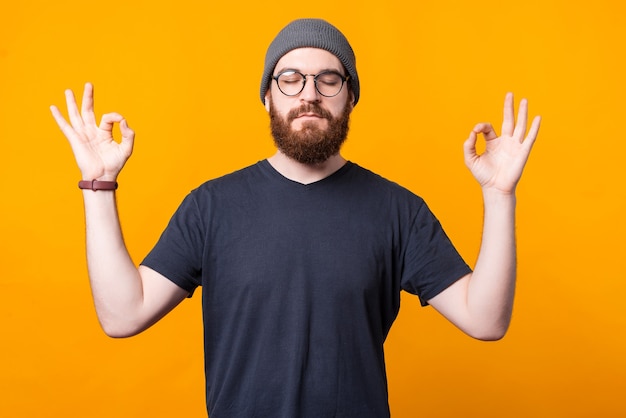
point(498, 192)
point(96, 185)
point(498, 197)
point(98, 175)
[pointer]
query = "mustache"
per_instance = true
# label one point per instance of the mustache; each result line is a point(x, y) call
point(309, 108)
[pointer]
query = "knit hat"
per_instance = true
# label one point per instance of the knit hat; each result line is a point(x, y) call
point(311, 33)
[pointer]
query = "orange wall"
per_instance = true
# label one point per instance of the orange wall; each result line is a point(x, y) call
point(186, 76)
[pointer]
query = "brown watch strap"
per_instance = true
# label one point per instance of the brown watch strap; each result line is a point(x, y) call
point(97, 185)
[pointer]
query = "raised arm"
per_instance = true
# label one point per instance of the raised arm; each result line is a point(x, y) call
point(127, 299)
point(482, 302)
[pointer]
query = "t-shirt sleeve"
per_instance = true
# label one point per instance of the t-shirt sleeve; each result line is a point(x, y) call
point(178, 252)
point(431, 263)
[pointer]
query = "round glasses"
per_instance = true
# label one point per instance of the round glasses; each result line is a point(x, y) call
point(327, 83)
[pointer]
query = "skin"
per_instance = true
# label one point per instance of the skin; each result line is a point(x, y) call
point(129, 299)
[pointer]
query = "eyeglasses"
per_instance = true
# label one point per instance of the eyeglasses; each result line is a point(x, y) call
point(327, 83)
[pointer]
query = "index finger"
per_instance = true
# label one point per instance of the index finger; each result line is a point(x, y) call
point(487, 130)
point(110, 119)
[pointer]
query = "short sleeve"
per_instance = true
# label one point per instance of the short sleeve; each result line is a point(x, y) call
point(431, 262)
point(178, 252)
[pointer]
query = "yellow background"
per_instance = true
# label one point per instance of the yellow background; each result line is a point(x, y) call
point(186, 75)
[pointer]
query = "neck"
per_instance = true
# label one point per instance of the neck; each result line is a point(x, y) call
point(305, 173)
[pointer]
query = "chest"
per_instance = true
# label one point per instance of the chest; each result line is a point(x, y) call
point(317, 243)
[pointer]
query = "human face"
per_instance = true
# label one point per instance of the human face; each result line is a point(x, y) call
point(308, 61)
point(309, 128)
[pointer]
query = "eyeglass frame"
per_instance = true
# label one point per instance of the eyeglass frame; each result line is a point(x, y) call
point(344, 79)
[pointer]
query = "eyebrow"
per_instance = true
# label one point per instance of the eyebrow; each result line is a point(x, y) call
point(336, 70)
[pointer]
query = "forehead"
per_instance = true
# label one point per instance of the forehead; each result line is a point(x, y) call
point(309, 60)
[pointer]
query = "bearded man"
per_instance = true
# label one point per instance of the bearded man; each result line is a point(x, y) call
point(302, 256)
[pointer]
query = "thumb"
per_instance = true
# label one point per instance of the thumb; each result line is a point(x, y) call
point(469, 148)
point(128, 135)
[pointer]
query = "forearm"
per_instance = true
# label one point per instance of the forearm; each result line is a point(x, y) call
point(491, 288)
point(115, 281)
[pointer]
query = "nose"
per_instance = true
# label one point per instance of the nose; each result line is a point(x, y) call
point(309, 93)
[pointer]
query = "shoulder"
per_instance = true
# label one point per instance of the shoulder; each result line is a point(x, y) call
point(238, 176)
point(381, 185)
point(236, 180)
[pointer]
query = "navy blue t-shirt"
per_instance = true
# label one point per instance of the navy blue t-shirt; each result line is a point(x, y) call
point(300, 286)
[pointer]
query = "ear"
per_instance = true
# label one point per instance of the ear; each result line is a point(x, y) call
point(268, 97)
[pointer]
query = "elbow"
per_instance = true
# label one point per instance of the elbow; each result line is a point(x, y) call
point(117, 334)
point(119, 330)
point(491, 327)
point(493, 333)
point(495, 336)
point(121, 324)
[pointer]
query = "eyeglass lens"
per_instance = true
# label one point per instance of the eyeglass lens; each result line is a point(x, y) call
point(327, 83)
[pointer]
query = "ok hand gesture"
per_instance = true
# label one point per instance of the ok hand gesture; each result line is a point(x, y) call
point(98, 155)
point(500, 166)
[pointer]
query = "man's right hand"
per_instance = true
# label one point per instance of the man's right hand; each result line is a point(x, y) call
point(98, 155)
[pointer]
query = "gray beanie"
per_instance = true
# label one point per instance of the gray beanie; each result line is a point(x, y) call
point(311, 33)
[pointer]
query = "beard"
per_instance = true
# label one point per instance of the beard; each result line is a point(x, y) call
point(311, 144)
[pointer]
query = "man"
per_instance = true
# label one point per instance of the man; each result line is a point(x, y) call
point(302, 256)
